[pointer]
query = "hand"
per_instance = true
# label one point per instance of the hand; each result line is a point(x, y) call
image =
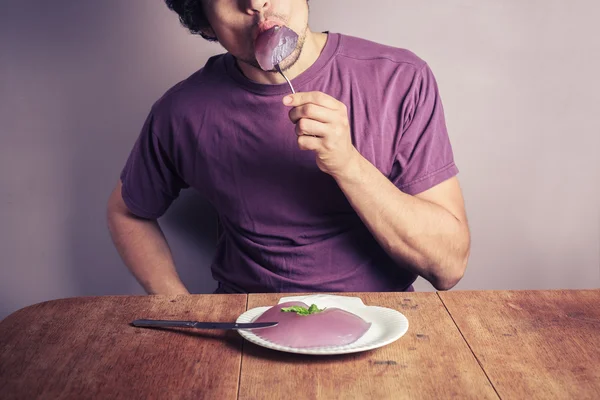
point(322, 126)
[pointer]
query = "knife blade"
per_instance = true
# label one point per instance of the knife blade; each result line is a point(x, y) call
point(146, 323)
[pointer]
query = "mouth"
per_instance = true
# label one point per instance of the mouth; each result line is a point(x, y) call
point(265, 26)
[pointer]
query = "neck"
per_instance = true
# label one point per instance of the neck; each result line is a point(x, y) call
point(313, 45)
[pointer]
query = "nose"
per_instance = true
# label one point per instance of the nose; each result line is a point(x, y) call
point(257, 6)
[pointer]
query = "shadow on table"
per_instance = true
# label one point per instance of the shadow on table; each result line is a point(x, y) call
point(231, 338)
point(251, 349)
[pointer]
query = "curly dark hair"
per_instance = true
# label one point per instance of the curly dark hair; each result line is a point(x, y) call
point(191, 16)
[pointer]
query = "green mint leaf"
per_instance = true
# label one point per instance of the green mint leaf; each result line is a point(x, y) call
point(297, 309)
point(313, 309)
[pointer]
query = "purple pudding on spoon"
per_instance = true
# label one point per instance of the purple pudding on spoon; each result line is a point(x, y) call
point(273, 46)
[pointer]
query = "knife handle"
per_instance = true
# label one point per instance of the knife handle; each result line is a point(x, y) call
point(164, 323)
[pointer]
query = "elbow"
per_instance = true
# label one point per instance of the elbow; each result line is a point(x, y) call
point(449, 275)
point(446, 282)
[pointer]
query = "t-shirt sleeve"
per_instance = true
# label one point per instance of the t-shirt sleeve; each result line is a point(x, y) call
point(423, 153)
point(150, 179)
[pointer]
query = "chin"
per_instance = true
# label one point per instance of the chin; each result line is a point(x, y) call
point(291, 60)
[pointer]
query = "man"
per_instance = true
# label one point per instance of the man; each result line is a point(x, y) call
point(348, 185)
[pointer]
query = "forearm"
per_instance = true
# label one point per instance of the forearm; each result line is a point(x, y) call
point(144, 250)
point(430, 239)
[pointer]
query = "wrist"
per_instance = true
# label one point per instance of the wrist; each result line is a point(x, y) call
point(351, 171)
point(168, 289)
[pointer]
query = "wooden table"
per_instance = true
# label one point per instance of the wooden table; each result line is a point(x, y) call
point(472, 344)
point(533, 344)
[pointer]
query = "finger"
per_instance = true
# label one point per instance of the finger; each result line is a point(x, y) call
point(310, 127)
point(309, 143)
point(312, 111)
point(319, 98)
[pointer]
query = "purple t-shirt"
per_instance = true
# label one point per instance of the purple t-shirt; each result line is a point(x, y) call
point(287, 226)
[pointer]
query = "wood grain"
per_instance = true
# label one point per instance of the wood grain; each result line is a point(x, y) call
point(86, 348)
point(533, 344)
point(430, 361)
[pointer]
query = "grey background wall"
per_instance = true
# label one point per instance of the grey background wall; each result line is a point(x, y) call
point(519, 81)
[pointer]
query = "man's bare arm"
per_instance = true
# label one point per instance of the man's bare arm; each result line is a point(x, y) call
point(143, 248)
point(429, 230)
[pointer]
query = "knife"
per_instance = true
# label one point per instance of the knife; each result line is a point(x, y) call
point(200, 325)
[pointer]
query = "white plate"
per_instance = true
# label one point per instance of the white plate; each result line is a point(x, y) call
point(387, 325)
